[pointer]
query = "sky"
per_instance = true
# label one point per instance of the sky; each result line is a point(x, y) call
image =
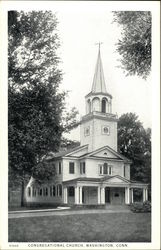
point(79, 30)
point(81, 25)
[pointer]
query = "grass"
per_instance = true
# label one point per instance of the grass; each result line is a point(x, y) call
point(116, 227)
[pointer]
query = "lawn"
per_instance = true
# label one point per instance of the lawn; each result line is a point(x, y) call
point(116, 227)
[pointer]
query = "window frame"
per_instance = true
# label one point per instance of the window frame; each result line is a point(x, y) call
point(87, 129)
point(59, 167)
point(105, 127)
point(83, 167)
point(105, 169)
point(71, 166)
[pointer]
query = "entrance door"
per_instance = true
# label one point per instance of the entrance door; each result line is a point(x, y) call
point(107, 195)
point(117, 196)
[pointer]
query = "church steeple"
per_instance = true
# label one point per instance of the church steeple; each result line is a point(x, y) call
point(99, 126)
point(99, 85)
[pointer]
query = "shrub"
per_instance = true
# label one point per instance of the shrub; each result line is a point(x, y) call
point(141, 207)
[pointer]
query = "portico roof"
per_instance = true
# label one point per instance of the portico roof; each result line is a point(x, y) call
point(111, 180)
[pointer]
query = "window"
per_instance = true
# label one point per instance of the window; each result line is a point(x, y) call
point(45, 191)
point(89, 106)
point(51, 191)
point(71, 191)
point(59, 190)
point(87, 131)
point(59, 167)
point(82, 167)
point(124, 170)
point(54, 190)
point(110, 170)
point(105, 130)
point(71, 167)
point(100, 169)
point(33, 192)
point(105, 169)
point(103, 106)
point(40, 191)
point(29, 191)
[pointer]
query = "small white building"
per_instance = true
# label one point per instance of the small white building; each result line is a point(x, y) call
point(93, 173)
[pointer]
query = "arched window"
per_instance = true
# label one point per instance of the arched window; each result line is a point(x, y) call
point(33, 191)
point(29, 191)
point(105, 168)
point(88, 106)
point(96, 104)
point(52, 191)
point(103, 109)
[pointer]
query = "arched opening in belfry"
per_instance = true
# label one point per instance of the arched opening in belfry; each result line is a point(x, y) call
point(103, 108)
point(96, 104)
point(88, 106)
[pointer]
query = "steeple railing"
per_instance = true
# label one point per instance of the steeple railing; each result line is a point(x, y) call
point(97, 113)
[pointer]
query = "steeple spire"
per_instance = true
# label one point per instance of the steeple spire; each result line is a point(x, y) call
point(99, 85)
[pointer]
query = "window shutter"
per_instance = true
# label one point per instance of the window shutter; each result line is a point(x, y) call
point(84, 167)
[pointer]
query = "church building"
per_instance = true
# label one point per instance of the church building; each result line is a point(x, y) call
point(93, 173)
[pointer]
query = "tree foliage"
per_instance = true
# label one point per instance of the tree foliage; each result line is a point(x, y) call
point(35, 103)
point(134, 46)
point(134, 142)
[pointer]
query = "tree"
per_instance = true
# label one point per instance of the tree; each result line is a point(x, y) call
point(35, 103)
point(135, 43)
point(134, 142)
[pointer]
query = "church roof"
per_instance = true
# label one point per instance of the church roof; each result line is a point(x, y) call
point(99, 80)
point(74, 153)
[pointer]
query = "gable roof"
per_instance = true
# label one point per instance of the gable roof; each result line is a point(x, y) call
point(116, 154)
point(101, 179)
point(67, 152)
point(76, 152)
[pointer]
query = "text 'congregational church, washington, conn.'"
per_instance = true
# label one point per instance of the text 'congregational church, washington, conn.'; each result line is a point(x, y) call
point(93, 173)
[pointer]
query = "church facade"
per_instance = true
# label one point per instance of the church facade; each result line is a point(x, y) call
point(93, 173)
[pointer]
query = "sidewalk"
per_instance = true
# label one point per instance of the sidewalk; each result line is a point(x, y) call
point(63, 212)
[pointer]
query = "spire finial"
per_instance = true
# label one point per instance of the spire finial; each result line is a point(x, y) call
point(99, 45)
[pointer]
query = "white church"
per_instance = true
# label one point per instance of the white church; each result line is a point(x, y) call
point(93, 173)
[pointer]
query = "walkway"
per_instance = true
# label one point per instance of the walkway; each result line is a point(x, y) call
point(62, 212)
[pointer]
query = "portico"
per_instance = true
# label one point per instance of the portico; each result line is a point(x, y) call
point(101, 191)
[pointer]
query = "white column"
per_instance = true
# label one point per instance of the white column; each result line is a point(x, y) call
point(76, 195)
point(80, 195)
point(127, 195)
point(144, 194)
point(132, 196)
point(99, 195)
point(102, 195)
point(65, 197)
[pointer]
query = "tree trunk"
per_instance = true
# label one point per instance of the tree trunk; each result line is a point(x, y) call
point(22, 193)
